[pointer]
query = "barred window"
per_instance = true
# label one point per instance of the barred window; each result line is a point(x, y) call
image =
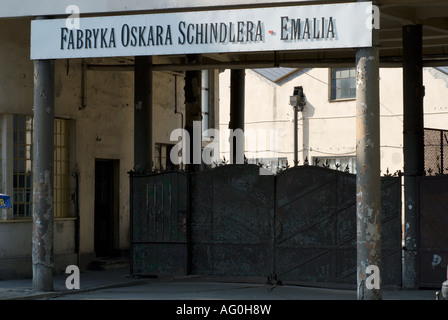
point(61, 169)
point(1, 157)
point(205, 104)
point(272, 164)
point(162, 157)
point(345, 163)
point(23, 165)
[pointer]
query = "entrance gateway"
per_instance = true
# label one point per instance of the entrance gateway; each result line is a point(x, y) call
point(344, 26)
point(297, 226)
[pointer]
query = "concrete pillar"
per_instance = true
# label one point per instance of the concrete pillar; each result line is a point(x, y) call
point(368, 179)
point(193, 114)
point(413, 135)
point(237, 96)
point(143, 97)
point(43, 173)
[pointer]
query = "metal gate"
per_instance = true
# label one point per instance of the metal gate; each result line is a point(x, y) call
point(296, 226)
point(316, 235)
point(232, 221)
point(433, 226)
point(159, 214)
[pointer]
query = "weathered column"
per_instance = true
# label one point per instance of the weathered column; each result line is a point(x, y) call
point(237, 96)
point(413, 136)
point(368, 179)
point(43, 173)
point(193, 114)
point(143, 97)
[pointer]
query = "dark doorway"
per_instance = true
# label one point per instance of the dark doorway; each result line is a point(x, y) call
point(106, 207)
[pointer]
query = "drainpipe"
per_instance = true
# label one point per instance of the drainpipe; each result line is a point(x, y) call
point(78, 219)
point(177, 112)
point(193, 113)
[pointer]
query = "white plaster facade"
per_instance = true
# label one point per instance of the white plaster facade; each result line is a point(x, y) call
point(326, 128)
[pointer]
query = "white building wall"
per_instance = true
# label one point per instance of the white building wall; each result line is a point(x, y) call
point(436, 102)
point(328, 128)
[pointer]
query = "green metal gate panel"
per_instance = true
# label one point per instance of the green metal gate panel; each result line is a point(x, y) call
point(391, 230)
point(232, 221)
point(316, 241)
point(159, 224)
point(433, 226)
point(315, 232)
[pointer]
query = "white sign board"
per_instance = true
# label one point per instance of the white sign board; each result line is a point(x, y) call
point(329, 26)
point(27, 8)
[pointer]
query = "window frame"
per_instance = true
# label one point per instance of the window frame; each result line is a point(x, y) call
point(158, 156)
point(330, 85)
point(272, 163)
point(61, 180)
point(22, 194)
point(206, 101)
point(341, 168)
point(61, 192)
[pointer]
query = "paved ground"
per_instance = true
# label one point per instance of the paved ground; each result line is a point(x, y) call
point(205, 290)
point(116, 284)
point(113, 293)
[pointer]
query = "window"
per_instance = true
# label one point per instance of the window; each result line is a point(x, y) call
point(205, 103)
point(343, 83)
point(162, 157)
point(23, 167)
point(340, 163)
point(1, 157)
point(61, 169)
point(272, 164)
